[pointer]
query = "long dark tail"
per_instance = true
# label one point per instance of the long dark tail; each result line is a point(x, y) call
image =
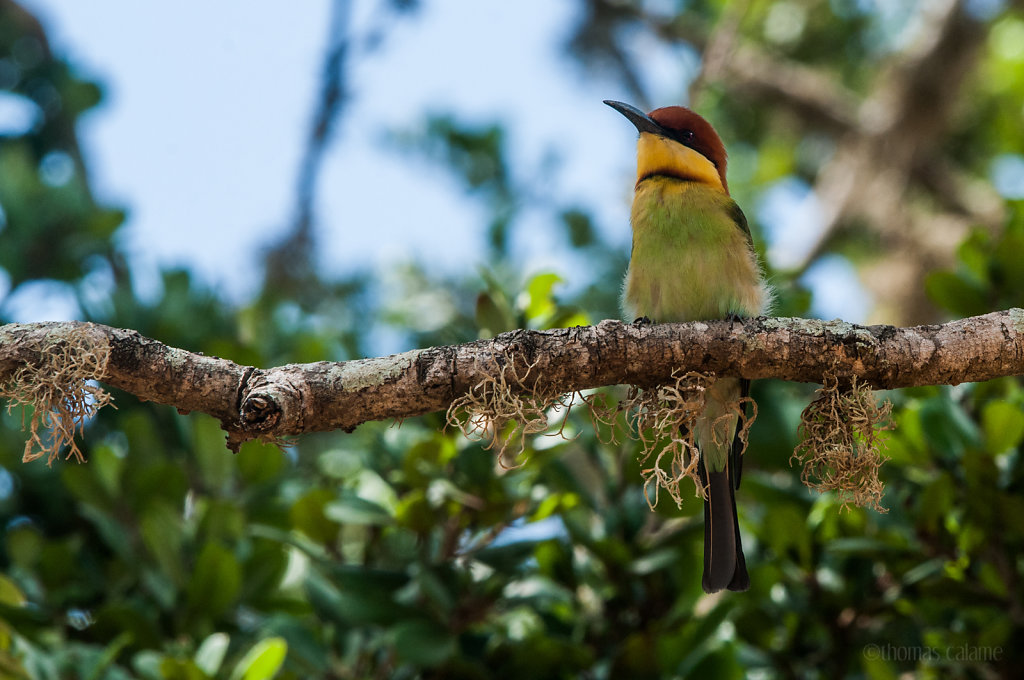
point(724, 564)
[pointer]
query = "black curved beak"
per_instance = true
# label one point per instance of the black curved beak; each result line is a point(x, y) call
point(641, 120)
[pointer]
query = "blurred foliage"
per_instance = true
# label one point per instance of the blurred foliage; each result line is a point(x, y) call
point(406, 552)
point(988, 275)
point(44, 190)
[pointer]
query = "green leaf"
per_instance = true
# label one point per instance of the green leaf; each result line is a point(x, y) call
point(416, 513)
point(258, 462)
point(935, 501)
point(356, 510)
point(423, 643)
point(147, 664)
point(875, 666)
point(24, 544)
point(993, 581)
point(221, 520)
point(568, 318)
point(264, 567)
point(215, 582)
point(86, 486)
point(1003, 426)
point(107, 467)
point(162, 534)
point(216, 466)
point(785, 530)
point(952, 292)
point(358, 596)
point(325, 598)
point(923, 571)
point(946, 427)
point(263, 661)
point(10, 594)
point(539, 302)
point(177, 669)
point(210, 654)
point(307, 515)
point(974, 255)
point(492, 316)
point(775, 160)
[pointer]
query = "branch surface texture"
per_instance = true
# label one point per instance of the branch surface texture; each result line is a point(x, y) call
point(297, 398)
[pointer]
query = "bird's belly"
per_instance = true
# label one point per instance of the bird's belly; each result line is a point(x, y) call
point(688, 281)
point(690, 259)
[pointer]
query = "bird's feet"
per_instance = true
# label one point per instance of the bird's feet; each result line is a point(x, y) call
point(642, 321)
point(733, 318)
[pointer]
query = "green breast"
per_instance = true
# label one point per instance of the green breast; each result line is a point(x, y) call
point(691, 258)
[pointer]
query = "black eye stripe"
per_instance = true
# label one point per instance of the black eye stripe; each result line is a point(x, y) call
point(683, 136)
point(688, 138)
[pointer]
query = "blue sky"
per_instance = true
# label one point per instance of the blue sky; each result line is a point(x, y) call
point(208, 104)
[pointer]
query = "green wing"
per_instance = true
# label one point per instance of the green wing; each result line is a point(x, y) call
point(741, 221)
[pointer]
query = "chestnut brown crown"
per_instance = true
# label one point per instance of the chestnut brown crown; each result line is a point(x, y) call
point(690, 129)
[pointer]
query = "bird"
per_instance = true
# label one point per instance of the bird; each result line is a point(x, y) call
point(693, 259)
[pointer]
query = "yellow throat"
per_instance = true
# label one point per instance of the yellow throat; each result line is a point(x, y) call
point(657, 155)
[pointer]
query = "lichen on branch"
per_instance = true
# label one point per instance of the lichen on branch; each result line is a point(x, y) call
point(321, 396)
point(55, 394)
point(664, 420)
point(507, 406)
point(840, 449)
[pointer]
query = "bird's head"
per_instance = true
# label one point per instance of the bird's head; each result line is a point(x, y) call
point(677, 142)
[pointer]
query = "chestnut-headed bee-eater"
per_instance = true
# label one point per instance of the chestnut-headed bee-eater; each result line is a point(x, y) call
point(693, 259)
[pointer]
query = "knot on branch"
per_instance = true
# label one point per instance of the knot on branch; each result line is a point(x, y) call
point(260, 412)
point(269, 404)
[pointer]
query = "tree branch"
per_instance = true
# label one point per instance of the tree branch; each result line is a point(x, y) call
point(298, 398)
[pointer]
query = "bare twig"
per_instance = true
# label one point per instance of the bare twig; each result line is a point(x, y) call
point(292, 259)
